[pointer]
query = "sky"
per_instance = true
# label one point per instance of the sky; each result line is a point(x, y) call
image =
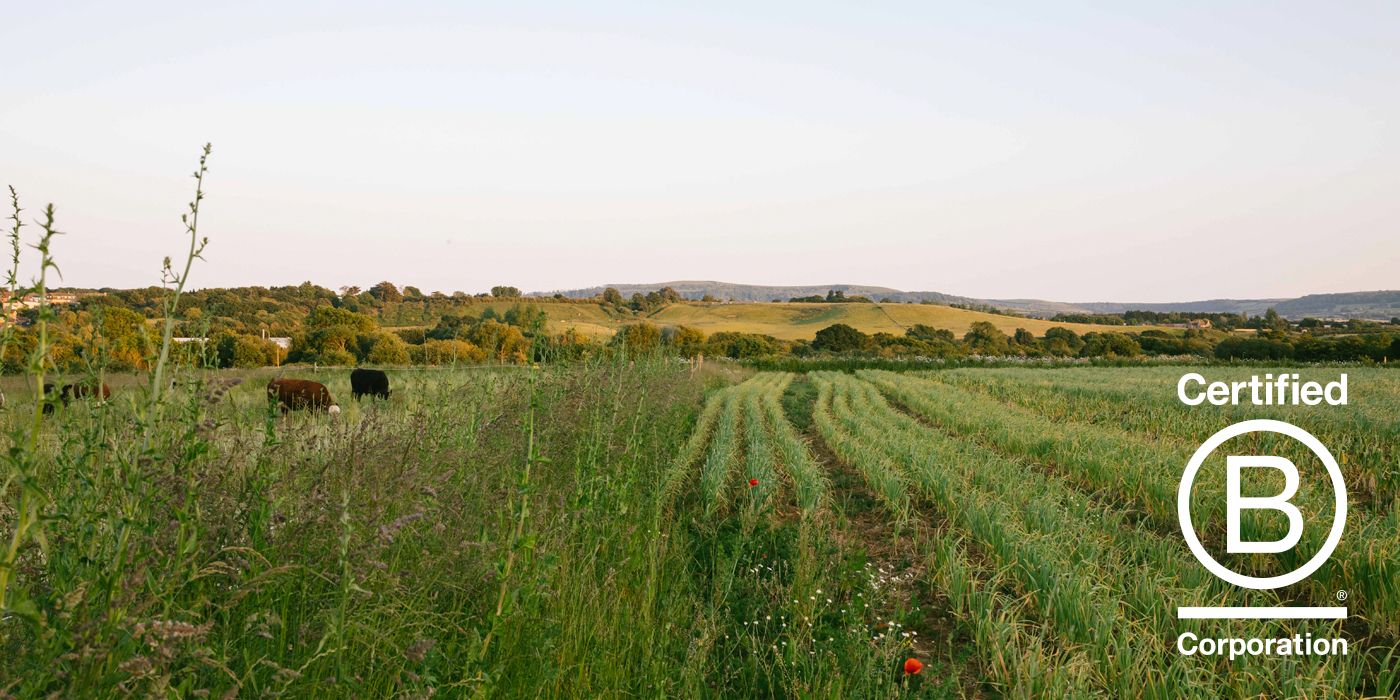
point(1076, 151)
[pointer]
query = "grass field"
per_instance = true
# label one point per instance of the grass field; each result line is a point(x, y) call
point(641, 527)
point(786, 321)
point(802, 321)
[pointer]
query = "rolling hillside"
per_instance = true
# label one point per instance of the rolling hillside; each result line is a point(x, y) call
point(1377, 305)
point(797, 321)
point(726, 291)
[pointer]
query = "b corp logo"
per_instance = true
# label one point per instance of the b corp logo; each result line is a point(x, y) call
point(1235, 503)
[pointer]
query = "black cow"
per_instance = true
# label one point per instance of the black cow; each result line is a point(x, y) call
point(369, 382)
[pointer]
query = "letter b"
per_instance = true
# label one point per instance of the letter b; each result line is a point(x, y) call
point(1234, 503)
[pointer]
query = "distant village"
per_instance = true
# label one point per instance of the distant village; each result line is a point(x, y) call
point(34, 301)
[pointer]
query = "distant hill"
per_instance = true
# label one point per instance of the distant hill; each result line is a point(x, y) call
point(725, 291)
point(1378, 305)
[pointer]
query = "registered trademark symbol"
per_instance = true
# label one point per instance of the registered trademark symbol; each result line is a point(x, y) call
point(1341, 595)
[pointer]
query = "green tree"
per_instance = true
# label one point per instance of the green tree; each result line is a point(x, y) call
point(687, 341)
point(412, 336)
point(452, 327)
point(1257, 348)
point(122, 336)
point(336, 357)
point(1063, 342)
point(387, 349)
point(332, 335)
point(639, 336)
point(238, 350)
point(840, 338)
point(500, 341)
point(529, 318)
point(505, 292)
point(1109, 345)
point(448, 352)
point(330, 316)
point(1026, 340)
point(920, 331)
point(745, 345)
point(983, 338)
point(385, 291)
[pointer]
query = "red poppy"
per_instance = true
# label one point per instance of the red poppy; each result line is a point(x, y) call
point(912, 667)
point(753, 483)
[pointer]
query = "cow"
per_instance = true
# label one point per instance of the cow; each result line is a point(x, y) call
point(297, 394)
point(369, 382)
point(102, 392)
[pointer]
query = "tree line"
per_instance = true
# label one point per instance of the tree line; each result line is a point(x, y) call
point(389, 325)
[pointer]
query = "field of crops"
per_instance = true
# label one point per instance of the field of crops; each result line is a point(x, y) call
point(1052, 494)
point(648, 527)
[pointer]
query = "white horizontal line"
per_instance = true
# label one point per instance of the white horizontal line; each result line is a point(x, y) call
point(1281, 613)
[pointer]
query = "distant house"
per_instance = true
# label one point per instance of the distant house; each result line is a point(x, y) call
point(32, 301)
point(1199, 323)
point(201, 341)
point(284, 343)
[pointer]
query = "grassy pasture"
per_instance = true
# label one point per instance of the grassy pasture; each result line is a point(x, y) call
point(802, 321)
point(781, 320)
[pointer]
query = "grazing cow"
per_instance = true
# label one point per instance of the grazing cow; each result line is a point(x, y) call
point(369, 382)
point(102, 392)
point(297, 394)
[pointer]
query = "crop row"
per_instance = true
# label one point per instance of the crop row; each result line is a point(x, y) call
point(1145, 474)
point(1020, 656)
point(744, 427)
point(1102, 585)
point(1365, 436)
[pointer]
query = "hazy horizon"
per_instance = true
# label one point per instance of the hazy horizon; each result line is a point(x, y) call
point(657, 285)
point(1136, 154)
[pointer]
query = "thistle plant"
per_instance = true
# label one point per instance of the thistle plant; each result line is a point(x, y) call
point(7, 329)
point(23, 461)
point(176, 281)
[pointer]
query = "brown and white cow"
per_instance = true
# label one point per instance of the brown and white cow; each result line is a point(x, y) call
point(298, 394)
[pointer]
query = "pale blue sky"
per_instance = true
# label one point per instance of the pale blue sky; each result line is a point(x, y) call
point(1072, 151)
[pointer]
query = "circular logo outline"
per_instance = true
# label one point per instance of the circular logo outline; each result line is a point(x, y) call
point(1183, 503)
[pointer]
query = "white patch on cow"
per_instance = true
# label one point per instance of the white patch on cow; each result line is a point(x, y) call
point(333, 409)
